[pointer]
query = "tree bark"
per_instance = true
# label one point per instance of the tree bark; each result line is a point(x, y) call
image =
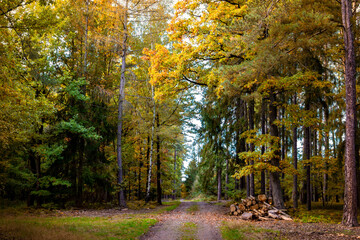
point(158, 164)
point(295, 159)
point(219, 183)
point(174, 187)
point(275, 160)
point(141, 163)
point(122, 202)
point(227, 178)
point(263, 131)
point(350, 190)
point(307, 150)
point(240, 142)
point(147, 197)
point(252, 146)
point(327, 155)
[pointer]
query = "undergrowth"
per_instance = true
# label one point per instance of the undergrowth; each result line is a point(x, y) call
point(331, 213)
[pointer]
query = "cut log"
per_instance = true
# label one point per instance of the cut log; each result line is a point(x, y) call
point(274, 211)
point(272, 215)
point(285, 218)
point(266, 219)
point(247, 216)
point(241, 207)
point(253, 207)
point(284, 214)
point(258, 212)
point(257, 208)
point(262, 198)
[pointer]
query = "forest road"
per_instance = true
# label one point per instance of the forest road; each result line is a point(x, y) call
point(191, 220)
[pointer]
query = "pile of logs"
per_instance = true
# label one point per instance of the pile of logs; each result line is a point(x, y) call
point(259, 208)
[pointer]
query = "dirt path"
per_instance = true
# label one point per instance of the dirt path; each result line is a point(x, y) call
point(191, 220)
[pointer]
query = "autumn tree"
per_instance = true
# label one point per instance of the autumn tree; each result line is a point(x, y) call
point(350, 198)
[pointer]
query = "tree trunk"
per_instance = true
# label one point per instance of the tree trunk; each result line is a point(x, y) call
point(141, 163)
point(158, 164)
point(275, 160)
point(307, 166)
point(122, 202)
point(252, 146)
point(263, 131)
point(350, 190)
point(327, 155)
point(240, 142)
point(227, 178)
point(219, 183)
point(295, 156)
point(174, 187)
point(147, 197)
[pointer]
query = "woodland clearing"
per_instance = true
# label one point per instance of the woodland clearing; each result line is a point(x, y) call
point(189, 220)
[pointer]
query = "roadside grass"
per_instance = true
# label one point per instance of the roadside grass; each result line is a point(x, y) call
point(69, 228)
point(331, 213)
point(203, 198)
point(40, 224)
point(137, 205)
point(193, 209)
point(237, 231)
point(188, 231)
point(169, 206)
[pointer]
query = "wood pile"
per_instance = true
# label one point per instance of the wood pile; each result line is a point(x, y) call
point(259, 208)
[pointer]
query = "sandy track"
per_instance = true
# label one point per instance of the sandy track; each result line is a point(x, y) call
point(208, 218)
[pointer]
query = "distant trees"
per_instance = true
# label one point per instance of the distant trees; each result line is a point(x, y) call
point(80, 123)
point(257, 53)
point(61, 65)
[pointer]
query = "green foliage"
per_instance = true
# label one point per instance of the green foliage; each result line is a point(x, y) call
point(235, 194)
point(262, 161)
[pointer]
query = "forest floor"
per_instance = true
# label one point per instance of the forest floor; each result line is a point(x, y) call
point(174, 220)
point(211, 220)
point(191, 220)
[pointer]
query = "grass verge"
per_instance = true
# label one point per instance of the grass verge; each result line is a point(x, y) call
point(237, 231)
point(169, 206)
point(331, 213)
point(69, 228)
